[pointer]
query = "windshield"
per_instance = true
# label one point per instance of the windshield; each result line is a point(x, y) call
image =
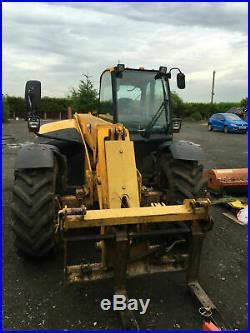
point(139, 98)
point(232, 117)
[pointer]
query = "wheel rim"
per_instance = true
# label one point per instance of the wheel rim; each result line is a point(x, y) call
point(225, 129)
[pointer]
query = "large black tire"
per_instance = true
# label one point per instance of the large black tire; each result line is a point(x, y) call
point(33, 211)
point(181, 179)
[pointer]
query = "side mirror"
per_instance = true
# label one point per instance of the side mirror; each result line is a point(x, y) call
point(32, 102)
point(181, 81)
point(32, 95)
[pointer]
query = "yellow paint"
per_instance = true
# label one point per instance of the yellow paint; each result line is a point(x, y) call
point(126, 216)
point(57, 126)
point(121, 172)
point(237, 204)
point(110, 69)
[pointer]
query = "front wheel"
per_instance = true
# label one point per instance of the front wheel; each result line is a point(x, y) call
point(33, 211)
point(225, 129)
point(210, 128)
point(181, 179)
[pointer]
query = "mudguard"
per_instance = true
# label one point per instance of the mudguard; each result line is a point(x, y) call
point(35, 156)
point(184, 150)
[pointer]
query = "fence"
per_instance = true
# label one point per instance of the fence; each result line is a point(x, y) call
point(42, 114)
point(51, 108)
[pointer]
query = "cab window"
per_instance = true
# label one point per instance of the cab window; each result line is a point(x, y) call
point(106, 94)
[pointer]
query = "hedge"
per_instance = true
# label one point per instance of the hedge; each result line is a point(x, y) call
point(53, 106)
point(201, 111)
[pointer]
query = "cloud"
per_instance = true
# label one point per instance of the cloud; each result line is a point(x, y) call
point(229, 16)
point(58, 42)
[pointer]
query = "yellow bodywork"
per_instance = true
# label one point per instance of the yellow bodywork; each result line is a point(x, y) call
point(137, 215)
point(94, 133)
point(111, 176)
point(110, 168)
point(121, 174)
point(57, 126)
point(112, 192)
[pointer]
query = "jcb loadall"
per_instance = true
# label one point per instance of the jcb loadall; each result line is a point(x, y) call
point(116, 179)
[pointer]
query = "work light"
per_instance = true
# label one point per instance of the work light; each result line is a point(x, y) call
point(120, 67)
point(33, 123)
point(163, 69)
point(176, 125)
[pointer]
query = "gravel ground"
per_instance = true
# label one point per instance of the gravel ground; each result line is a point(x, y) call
point(35, 296)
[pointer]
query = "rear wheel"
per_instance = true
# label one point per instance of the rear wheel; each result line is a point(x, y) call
point(225, 129)
point(210, 128)
point(181, 179)
point(33, 210)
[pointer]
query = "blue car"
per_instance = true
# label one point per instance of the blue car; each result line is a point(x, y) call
point(227, 122)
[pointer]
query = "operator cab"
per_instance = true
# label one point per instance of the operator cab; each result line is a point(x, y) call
point(138, 98)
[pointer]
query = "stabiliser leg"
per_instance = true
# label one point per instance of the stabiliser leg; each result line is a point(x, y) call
point(120, 277)
point(207, 310)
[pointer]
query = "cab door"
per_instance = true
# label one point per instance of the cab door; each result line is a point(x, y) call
point(106, 105)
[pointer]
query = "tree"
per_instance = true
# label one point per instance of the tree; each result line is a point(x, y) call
point(177, 104)
point(84, 98)
point(244, 102)
point(5, 108)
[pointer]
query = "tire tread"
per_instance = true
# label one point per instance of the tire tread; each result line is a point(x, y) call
point(180, 179)
point(33, 211)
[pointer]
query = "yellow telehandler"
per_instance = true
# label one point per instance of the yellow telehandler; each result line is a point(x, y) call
point(117, 180)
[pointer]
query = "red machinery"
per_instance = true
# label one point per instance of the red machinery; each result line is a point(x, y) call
point(223, 179)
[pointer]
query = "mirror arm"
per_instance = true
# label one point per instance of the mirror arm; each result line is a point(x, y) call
point(167, 75)
point(178, 69)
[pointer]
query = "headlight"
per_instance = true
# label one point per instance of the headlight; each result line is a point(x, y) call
point(33, 123)
point(176, 124)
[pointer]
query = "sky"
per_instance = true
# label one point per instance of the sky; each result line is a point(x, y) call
point(57, 43)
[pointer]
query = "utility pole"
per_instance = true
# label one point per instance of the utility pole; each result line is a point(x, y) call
point(212, 93)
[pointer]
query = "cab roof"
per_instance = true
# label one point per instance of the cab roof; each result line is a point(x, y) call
point(111, 69)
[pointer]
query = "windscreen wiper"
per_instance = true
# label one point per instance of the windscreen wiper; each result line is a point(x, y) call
point(153, 121)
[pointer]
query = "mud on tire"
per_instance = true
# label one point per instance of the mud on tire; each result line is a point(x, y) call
point(181, 179)
point(33, 210)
